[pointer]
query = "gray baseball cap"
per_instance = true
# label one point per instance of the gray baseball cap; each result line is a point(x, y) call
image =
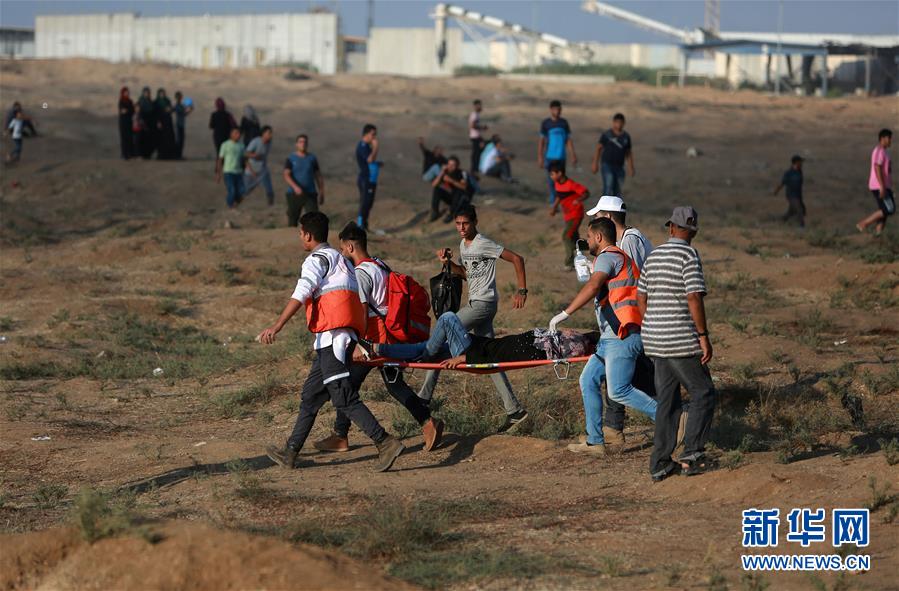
point(685, 217)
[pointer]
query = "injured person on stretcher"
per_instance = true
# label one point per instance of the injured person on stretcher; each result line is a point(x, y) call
point(451, 343)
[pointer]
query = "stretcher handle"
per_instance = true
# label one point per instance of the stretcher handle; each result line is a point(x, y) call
point(557, 369)
point(386, 374)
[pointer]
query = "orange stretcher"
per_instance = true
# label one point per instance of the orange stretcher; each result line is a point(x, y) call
point(561, 367)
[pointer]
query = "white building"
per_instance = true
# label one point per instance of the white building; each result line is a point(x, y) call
point(195, 41)
point(16, 43)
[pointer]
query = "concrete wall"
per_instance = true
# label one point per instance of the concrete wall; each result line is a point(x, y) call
point(412, 52)
point(195, 41)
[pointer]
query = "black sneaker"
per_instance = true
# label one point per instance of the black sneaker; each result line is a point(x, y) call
point(513, 420)
point(671, 470)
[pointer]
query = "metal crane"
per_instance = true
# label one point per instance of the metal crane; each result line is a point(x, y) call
point(685, 36)
point(469, 21)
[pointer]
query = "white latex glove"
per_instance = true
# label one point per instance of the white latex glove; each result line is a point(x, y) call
point(557, 319)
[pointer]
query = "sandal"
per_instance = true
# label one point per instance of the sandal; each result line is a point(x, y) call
point(699, 465)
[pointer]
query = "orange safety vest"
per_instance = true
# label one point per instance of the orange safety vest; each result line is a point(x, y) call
point(622, 296)
point(336, 303)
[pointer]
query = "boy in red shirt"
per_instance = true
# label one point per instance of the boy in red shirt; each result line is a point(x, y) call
point(570, 195)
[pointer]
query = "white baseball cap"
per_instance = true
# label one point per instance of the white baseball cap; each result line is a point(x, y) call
point(608, 203)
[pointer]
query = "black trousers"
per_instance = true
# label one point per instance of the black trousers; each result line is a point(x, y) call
point(329, 379)
point(399, 389)
point(126, 137)
point(367, 190)
point(477, 146)
point(796, 208)
point(297, 203)
point(670, 374)
point(454, 199)
point(179, 142)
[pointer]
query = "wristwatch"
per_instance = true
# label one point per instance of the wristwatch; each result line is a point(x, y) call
point(523, 291)
point(702, 334)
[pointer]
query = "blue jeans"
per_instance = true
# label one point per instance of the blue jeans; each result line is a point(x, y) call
point(431, 173)
point(448, 335)
point(263, 178)
point(549, 181)
point(614, 361)
point(234, 184)
point(612, 179)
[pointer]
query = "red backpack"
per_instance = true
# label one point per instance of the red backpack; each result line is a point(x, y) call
point(408, 306)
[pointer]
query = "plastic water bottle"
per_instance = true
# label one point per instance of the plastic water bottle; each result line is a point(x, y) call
point(581, 266)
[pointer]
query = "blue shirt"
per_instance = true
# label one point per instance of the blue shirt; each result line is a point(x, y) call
point(363, 151)
point(792, 182)
point(556, 134)
point(302, 170)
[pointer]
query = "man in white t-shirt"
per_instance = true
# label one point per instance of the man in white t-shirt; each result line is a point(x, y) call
point(477, 265)
point(474, 135)
point(636, 246)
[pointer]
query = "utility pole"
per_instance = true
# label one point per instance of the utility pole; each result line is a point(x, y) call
point(780, 30)
point(532, 58)
point(371, 18)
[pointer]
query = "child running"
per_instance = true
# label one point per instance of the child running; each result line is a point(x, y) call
point(792, 180)
point(327, 287)
point(570, 195)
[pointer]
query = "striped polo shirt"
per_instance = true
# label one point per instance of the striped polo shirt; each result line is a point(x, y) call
point(670, 272)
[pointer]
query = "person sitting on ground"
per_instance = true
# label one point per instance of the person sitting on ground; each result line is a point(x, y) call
point(496, 160)
point(453, 345)
point(570, 195)
point(450, 188)
point(431, 160)
point(792, 180)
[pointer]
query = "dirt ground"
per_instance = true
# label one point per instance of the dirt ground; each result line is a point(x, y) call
point(113, 268)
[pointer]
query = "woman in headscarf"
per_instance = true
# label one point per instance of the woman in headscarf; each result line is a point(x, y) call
point(220, 122)
point(146, 137)
point(126, 114)
point(250, 127)
point(164, 127)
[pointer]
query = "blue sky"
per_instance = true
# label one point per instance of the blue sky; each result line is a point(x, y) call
point(560, 17)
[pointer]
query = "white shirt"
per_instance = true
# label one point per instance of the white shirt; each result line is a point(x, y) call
point(372, 280)
point(474, 124)
point(636, 246)
point(312, 275)
point(16, 126)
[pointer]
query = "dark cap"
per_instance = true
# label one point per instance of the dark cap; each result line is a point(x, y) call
point(797, 158)
point(685, 217)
